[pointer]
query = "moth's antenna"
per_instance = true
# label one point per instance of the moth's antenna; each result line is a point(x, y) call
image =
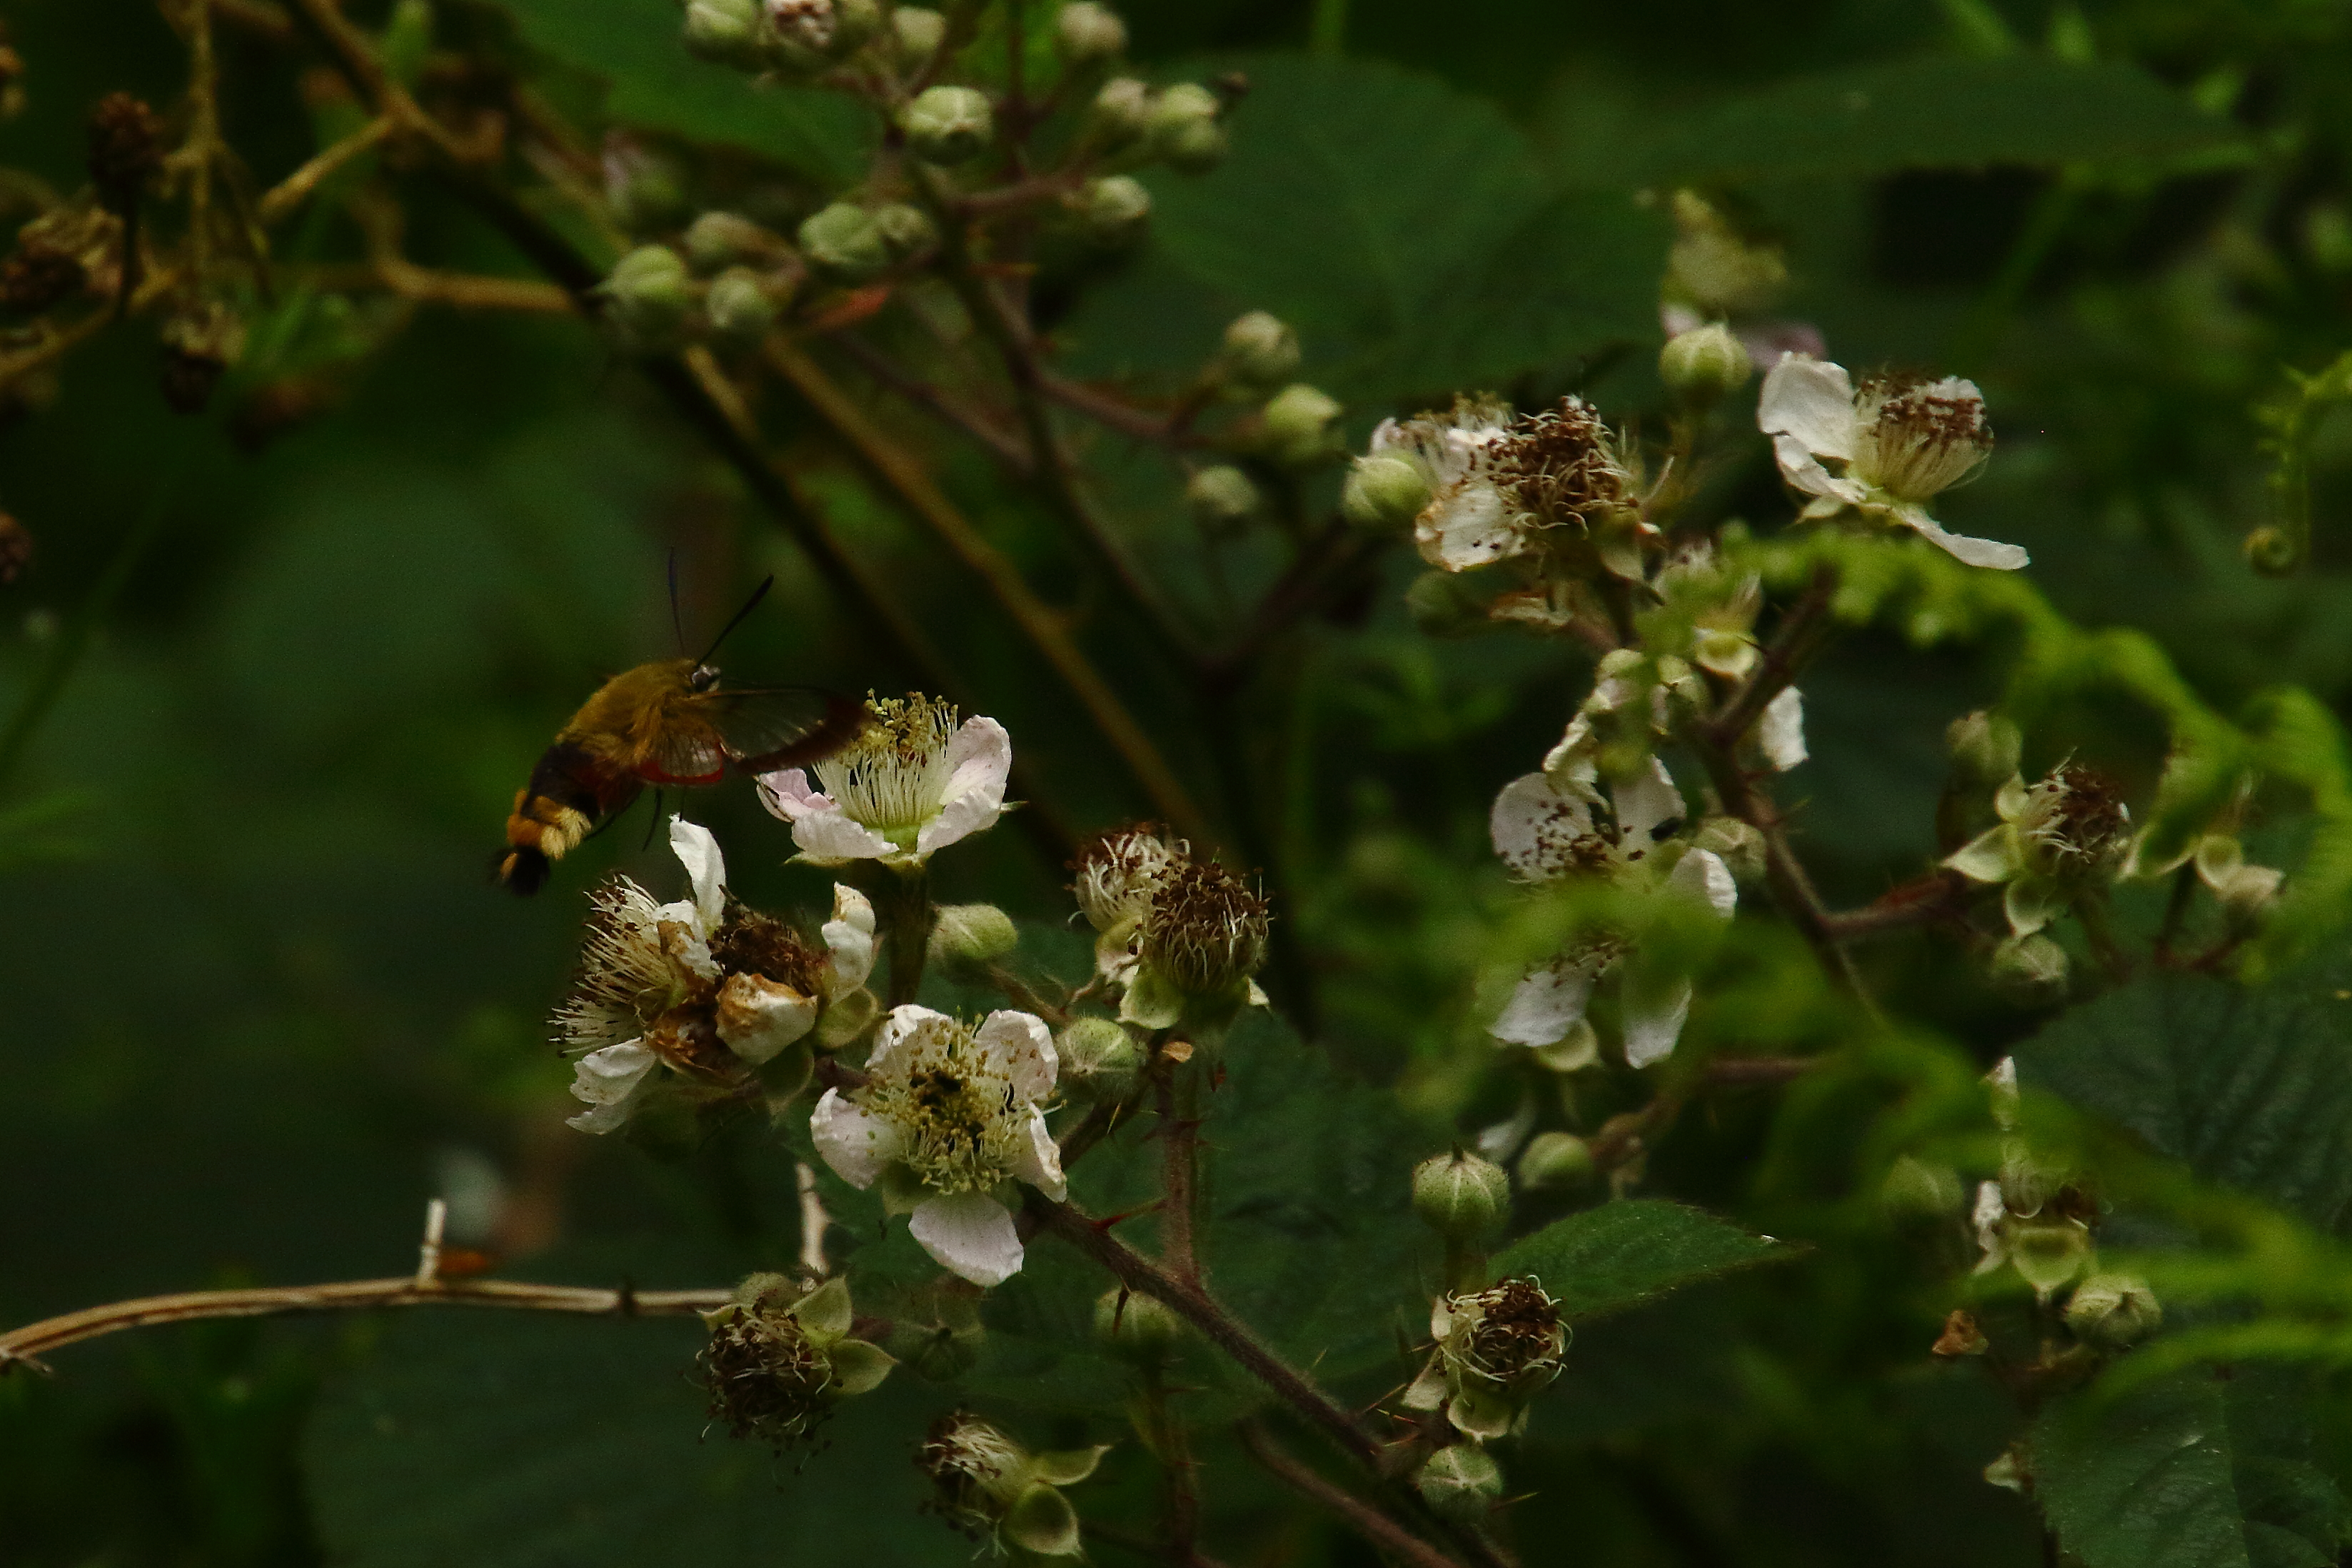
point(750, 605)
point(676, 623)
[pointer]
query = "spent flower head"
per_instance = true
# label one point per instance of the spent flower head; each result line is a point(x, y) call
point(990, 1487)
point(1495, 1349)
point(781, 1356)
point(914, 781)
point(2055, 840)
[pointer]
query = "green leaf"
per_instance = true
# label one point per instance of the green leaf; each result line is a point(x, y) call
point(1402, 228)
point(2249, 1086)
point(2192, 1471)
point(1623, 1254)
point(533, 1441)
point(635, 46)
point(1938, 112)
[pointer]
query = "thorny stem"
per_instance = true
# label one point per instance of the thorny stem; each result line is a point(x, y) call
point(1941, 895)
point(1176, 1095)
point(295, 188)
point(1006, 448)
point(1045, 630)
point(203, 143)
point(1383, 1533)
point(1193, 1303)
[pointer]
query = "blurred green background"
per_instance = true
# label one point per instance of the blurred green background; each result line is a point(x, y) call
point(261, 1002)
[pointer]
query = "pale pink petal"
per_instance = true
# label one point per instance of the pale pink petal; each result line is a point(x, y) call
point(890, 1041)
point(758, 1017)
point(1804, 470)
point(1987, 552)
point(1701, 874)
point(1812, 400)
point(1533, 824)
point(1655, 1009)
point(697, 850)
point(971, 1236)
point(1023, 1047)
point(832, 836)
point(1781, 730)
point(849, 938)
point(786, 793)
point(1547, 1004)
point(854, 1141)
point(1039, 1162)
point(979, 759)
point(1645, 803)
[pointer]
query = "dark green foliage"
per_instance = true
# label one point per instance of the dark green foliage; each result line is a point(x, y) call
point(1623, 1253)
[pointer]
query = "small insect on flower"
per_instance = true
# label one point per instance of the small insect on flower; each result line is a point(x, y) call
point(668, 723)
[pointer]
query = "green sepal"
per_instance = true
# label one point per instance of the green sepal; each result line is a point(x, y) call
point(859, 1367)
point(825, 1312)
point(1066, 1467)
point(902, 1190)
point(1151, 1002)
point(1042, 1520)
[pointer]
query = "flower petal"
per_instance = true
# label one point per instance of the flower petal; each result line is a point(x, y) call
point(829, 838)
point(1533, 824)
point(979, 760)
point(1548, 1003)
point(1645, 803)
point(697, 850)
point(1780, 732)
point(1987, 552)
point(609, 1076)
point(1703, 874)
point(1026, 1047)
point(849, 938)
point(1812, 400)
point(1804, 471)
point(905, 1022)
point(758, 1016)
point(970, 1234)
point(1468, 525)
point(854, 1140)
point(1655, 1009)
point(1039, 1162)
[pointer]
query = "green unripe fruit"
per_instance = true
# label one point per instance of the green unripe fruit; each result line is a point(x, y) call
point(738, 305)
point(718, 239)
point(1383, 493)
point(1460, 1196)
point(906, 231)
point(917, 34)
point(1122, 110)
point(1260, 349)
point(648, 293)
point(948, 124)
point(1183, 127)
point(1556, 1160)
point(1115, 210)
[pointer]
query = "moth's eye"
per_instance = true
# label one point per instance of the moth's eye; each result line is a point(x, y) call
point(704, 678)
point(1666, 830)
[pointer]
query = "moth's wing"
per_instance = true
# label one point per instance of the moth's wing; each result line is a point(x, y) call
point(768, 727)
point(687, 751)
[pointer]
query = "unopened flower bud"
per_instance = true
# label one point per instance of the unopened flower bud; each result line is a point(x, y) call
point(1260, 351)
point(648, 294)
point(1184, 130)
point(907, 230)
point(1222, 498)
point(916, 33)
point(1460, 1483)
point(2029, 969)
point(1460, 1196)
point(1089, 32)
point(644, 189)
point(1915, 1190)
point(1705, 365)
point(1300, 426)
point(739, 306)
point(717, 240)
point(938, 1333)
point(1737, 844)
point(1099, 1059)
point(1985, 749)
point(2113, 1309)
point(968, 936)
point(807, 33)
point(1114, 211)
point(2271, 551)
point(845, 241)
point(1383, 493)
point(1446, 605)
point(1136, 1328)
point(1122, 110)
point(948, 124)
point(725, 32)
point(1556, 1160)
